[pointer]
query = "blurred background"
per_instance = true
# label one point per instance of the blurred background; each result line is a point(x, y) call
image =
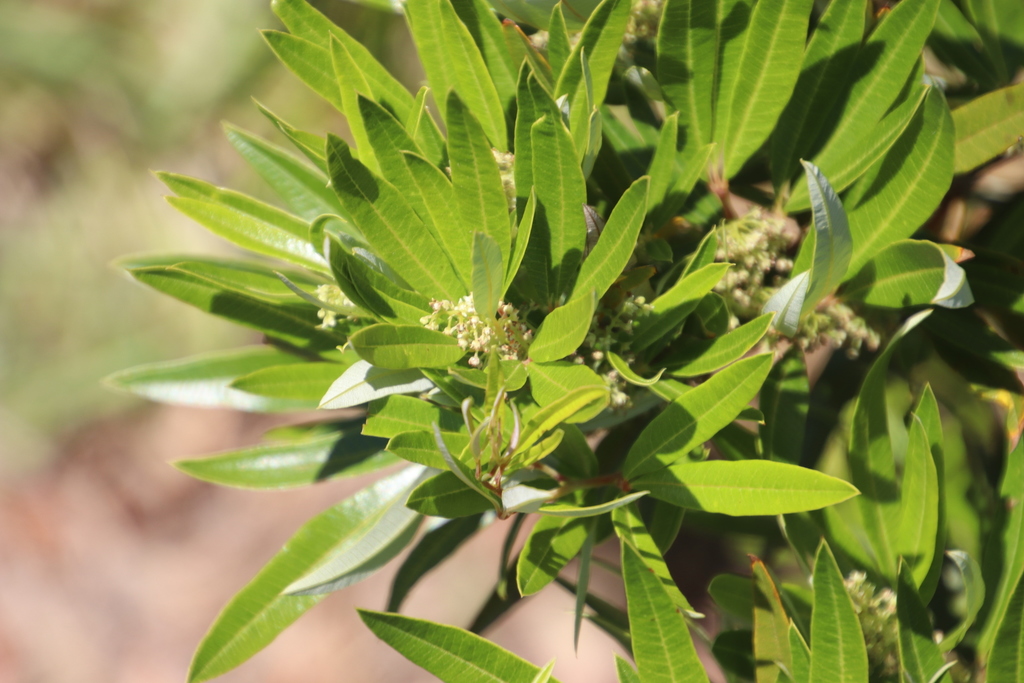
point(112, 563)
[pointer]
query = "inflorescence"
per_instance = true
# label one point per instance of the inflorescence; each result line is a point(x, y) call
point(506, 333)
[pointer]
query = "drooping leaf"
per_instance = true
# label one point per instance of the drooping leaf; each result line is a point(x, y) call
point(261, 610)
point(907, 273)
point(696, 416)
point(435, 547)
point(838, 654)
point(450, 653)
point(552, 542)
point(363, 382)
point(749, 487)
point(284, 465)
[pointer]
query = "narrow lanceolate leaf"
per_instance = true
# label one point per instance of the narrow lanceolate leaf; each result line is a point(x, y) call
point(385, 142)
point(749, 487)
point(600, 41)
point(446, 495)
point(260, 611)
point(244, 221)
point(450, 653)
point(284, 465)
point(304, 382)
point(771, 627)
point(562, 510)
point(564, 329)
point(522, 239)
point(833, 244)
point(615, 245)
point(309, 61)
point(424, 129)
point(488, 275)
point(549, 547)
point(625, 671)
point(687, 58)
point(438, 202)
point(583, 582)
point(927, 411)
point(662, 646)
point(363, 382)
point(919, 505)
point(205, 380)
point(303, 188)
point(479, 194)
point(1005, 663)
point(974, 597)
point(919, 655)
point(310, 144)
point(784, 400)
point(435, 547)
point(551, 382)
point(987, 126)
point(559, 228)
point(872, 467)
point(632, 531)
point(787, 304)
point(762, 79)
point(696, 416)
point(883, 64)
point(564, 409)
point(826, 62)
point(672, 307)
point(350, 84)
point(419, 446)
point(391, 226)
point(622, 367)
point(906, 273)
point(400, 347)
point(838, 654)
point(701, 356)
point(897, 195)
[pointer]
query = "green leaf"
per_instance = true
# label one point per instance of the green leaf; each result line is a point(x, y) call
point(446, 495)
point(687, 49)
point(563, 329)
point(662, 646)
point(435, 547)
point(919, 655)
point(884, 63)
point(363, 382)
point(826, 62)
point(419, 446)
point(350, 84)
point(559, 227)
point(672, 175)
point(392, 415)
point(785, 401)
point(919, 504)
point(488, 275)
point(928, 411)
point(424, 130)
point(373, 289)
point(1005, 663)
point(559, 43)
point(451, 654)
point(285, 465)
point(772, 649)
point(833, 245)
point(522, 240)
point(997, 24)
point(386, 142)
point(583, 583)
point(246, 222)
point(907, 273)
point(870, 457)
point(297, 325)
point(899, 193)
point(801, 671)
point(562, 510)
point(311, 145)
point(756, 87)
point(487, 33)
point(615, 246)
point(696, 416)
point(552, 542)
point(400, 347)
point(480, 200)
point(550, 382)
point(304, 189)
point(205, 380)
point(788, 303)
point(626, 673)
point(749, 487)
point(391, 227)
point(838, 654)
point(672, 307)
point(565, 409)
point(974, 597)
point(702, 356)
point(600, 41)
point(627, 373)
point(304, 382)
point(987, 126)
point(956, 42)
point(632, 531)
point(260, 611)
point(309, 61)
point(438, 198)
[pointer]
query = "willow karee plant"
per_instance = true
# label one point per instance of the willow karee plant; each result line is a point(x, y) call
point(555, 282)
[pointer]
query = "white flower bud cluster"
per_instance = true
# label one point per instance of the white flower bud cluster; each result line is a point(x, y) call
point(333, 296)
point(610, 331)
point(506, 166)
point(876, 610)
point(756, 244)
point(506, 333)
point(644, 19)
point(836, 325)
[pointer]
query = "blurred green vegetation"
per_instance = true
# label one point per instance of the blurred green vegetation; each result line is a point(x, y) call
point(93, 94)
